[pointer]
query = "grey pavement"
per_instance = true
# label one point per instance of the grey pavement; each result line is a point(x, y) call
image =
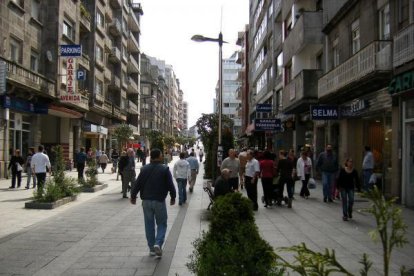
point(103, 234)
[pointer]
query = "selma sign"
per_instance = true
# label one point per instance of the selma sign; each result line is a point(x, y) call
point(324, 112)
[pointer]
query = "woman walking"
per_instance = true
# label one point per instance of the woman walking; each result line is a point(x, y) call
point(16, 166)
point(347, 181)
point(304, 172)
point(30, 173)
point(267, 168)
point(103, 161)
point(285, 171)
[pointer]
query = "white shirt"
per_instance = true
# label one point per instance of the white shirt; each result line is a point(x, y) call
point(39, 162)
point(182, 169)
point(252, 167)
point(304, 167)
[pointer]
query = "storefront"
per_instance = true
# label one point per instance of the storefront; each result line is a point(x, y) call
point(408, 153)
point(95, 136)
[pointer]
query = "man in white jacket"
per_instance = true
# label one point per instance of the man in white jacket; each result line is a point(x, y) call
point(181, 173)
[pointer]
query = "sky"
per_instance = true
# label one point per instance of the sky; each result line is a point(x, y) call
point(166, 30)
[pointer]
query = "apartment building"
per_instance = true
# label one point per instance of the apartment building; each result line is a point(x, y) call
point(51, 99)
point(159, 101)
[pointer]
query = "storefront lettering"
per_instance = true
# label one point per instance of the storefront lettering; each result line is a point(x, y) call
point(70, 83)
point(401, 83)
point(358, 105)
point(324, 113)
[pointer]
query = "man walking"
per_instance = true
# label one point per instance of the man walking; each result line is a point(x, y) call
point(181, 173)
point(80, 163)
point(328, 165)
point(233, 164)
point(153, 183)
point(251, 177)
point(192, 160)
point(128, 172)
point(40, 164)
point(367, 168)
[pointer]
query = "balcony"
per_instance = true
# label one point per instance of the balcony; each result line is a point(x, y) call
point(115, 28)
point(136, 7)
point(404, 46)
point(85, 21)
point(84, 104)
point(99, 98)
point(132, 86)
point(108, 15)
point(307, 32)
point(301, 91)
point(108, 44)
point(132, 107)
point(133, 45)
point(29, 80)
point(84, 61)
point(115, 55)
point(107, 75)
point(115, 4)
point(115, 83)
point(370, 68)
point(117, 113)
point(133, 66)
point(133, 23)
point(107, 107)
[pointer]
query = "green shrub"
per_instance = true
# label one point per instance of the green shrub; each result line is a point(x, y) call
point(232, 245)
point(91, 174)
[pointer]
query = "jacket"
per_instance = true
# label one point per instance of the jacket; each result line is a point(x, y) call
point(182, 169)
point(300, 167)
point(15, 159)
point(153, 183)
point(327, 162)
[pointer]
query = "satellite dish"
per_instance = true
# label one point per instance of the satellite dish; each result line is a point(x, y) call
point(49, 56)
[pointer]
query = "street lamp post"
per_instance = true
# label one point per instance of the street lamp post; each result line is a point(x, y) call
point(220, 41)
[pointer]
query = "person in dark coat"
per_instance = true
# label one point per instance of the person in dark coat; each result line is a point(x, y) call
point(222, 185)
point(16, 166)
point(348, 180)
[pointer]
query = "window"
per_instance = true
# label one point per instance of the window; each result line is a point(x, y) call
point(16, 50)
point(145, 90)
point(319, 61)
point(384, 24)
point(19, 3)
point(34, 61)
point(335, 53)
point(288, 25)
point(355, 37)
point(288, 73)
point(279, 69)
point(99, 53)
point(68, 30)
point(100, 21)
point(99, 87)
point(36, 10)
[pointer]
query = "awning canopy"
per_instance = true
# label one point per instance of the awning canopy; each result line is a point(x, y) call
point(63, 112)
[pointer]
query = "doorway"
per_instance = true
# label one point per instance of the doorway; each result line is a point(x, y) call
point(409, 166)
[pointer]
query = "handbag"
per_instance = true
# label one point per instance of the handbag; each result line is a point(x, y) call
point(19, 167)
point(311, 183)
point(276, 180)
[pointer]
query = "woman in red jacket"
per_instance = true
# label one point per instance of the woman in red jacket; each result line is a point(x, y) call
point(266, 173)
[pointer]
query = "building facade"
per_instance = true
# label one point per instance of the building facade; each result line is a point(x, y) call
point(51, 99)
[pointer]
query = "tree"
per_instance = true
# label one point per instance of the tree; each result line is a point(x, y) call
point(156, 139)
point(123, 133)
point(169, 141)
point(208, 129)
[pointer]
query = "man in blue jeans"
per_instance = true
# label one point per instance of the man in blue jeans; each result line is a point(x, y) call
point(328, 165)
point(182, 173)
point(153, 183)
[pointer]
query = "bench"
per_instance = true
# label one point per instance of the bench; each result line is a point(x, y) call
point(207, 188)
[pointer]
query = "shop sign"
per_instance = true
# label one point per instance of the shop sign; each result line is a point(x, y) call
point(70, 50)
point(264, 108)
point(358, 105)
point(267, 125)
point(401, 83)
point(3, 73)
point(71, 96)
point(324, 112)
point(24, 106)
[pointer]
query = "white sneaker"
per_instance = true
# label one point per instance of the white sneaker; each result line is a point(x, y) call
point(157, 250)
point(152, 253)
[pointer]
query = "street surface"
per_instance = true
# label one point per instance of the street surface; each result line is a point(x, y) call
point(103, 234)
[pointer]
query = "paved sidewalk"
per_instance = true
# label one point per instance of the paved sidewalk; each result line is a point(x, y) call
point(103, 234)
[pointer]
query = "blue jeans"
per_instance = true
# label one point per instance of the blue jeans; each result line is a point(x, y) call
point(155, 212)
point(367, 175)
point(182, 193)
point(347, 196)
point(327, 181)
point(30, 175)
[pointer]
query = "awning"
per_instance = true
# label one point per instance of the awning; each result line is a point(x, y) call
point(63, 112)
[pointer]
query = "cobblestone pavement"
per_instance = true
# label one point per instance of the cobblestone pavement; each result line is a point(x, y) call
point(102, 234)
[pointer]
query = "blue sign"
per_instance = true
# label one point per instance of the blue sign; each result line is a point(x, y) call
point(264, 108)
point(324, 112)
point(70, 50)
point(23, 105)
point(267, 125)
point(80, 75)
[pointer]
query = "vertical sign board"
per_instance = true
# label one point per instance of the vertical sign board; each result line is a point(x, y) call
point(71, 52)
point(324, 112)
point(3, 73)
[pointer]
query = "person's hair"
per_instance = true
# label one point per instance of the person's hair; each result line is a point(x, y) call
point(82, 149)
point(123, 153)
point(182, 155)
point(283, 152)
point(155, 153)
point(367, 148)
point(40, 148)
point(347, 160)
point(267, 155)
point(192, 154)
point(17, 151)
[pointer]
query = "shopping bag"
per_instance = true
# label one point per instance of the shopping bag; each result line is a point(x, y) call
point(311, 183)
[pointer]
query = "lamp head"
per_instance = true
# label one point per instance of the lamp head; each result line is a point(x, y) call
point(198, 38)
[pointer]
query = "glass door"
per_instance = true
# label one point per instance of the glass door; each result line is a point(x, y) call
point(409, 166)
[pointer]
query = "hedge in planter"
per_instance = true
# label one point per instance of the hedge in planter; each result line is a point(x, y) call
point(232, 245)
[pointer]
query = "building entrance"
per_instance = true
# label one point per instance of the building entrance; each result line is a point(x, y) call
point(409, 166)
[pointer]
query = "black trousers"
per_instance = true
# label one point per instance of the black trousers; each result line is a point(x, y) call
point(251, 188)
point(18, 175)
point(267, 183)
point(41, 178)
point(234, 183)
point(80, 167)
point(305, 191)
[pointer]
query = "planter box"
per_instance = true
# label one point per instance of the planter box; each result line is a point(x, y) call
point(94, 189)
point(49, 205)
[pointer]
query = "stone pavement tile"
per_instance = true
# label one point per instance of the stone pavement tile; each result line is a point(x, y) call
point(82, 272)
point(179, 271)
point(118, 272)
